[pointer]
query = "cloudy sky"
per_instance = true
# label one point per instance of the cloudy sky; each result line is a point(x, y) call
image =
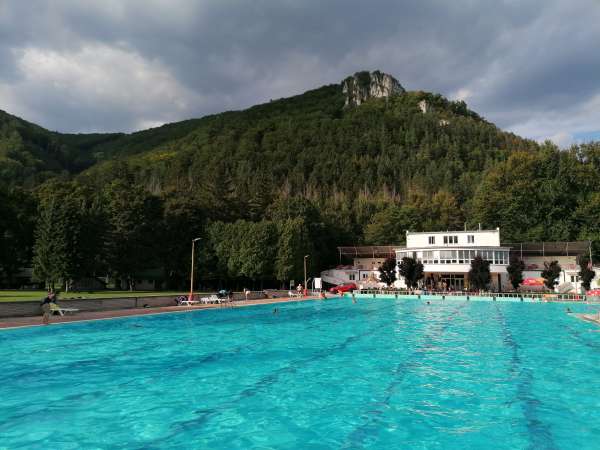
point(532, 67)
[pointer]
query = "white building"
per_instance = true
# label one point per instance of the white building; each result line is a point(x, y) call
point(447, 257)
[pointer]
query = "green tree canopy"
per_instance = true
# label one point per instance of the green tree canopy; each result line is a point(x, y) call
point(411, 270)
point(387, 271)
point(515, 271)
point(479, 274)
point(551, 273)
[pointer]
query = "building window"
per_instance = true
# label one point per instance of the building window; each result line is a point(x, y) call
point(447, 256)
point(365, 275)
point(470, 239)
point(427, 257)
point(431, 240)
point(352, 277)
point(450, 239)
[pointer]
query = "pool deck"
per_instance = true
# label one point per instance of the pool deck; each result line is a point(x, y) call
point(85, 316)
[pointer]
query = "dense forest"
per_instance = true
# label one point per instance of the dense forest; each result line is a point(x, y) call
point(265, 186)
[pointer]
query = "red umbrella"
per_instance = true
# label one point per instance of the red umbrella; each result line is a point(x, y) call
point(593, 293)
point(533, 282)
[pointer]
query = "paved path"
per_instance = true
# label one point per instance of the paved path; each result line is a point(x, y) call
point(20, 322)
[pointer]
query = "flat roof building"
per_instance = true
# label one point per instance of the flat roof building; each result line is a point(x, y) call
point(447, 255)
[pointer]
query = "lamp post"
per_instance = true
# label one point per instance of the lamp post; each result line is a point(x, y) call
point(305, 290)
point(191, 296)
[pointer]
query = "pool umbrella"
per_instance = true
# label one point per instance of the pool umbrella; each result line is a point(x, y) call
point(532, 282)
point(593, 293)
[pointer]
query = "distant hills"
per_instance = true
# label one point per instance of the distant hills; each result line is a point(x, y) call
point(368, 158)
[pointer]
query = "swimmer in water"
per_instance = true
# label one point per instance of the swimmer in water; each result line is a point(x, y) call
point(428, 302)
point(276, 311)
point(569, 311)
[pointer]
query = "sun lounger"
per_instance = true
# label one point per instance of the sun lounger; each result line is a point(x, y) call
point(294, 294)
point(55, 308)
point(212, 299)
point(188, 302)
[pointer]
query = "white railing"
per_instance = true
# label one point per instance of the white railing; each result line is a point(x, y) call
point(494, 295)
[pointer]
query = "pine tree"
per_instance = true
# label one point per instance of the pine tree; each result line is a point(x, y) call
point(44, 250)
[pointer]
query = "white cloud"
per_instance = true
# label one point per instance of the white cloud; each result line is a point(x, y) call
point(98, 79)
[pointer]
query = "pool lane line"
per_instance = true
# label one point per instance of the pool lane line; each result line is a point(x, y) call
point(539, 433)
point(356, 438)
point(204, 415)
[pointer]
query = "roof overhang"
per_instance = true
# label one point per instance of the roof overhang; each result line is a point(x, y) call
point(565, 248)
point(369, 251)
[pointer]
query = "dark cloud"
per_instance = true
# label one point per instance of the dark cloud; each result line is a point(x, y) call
point(80, 66)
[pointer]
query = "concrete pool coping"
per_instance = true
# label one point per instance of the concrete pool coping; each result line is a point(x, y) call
point(90, 316)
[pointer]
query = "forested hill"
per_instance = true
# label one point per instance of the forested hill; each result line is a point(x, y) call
point(300, 174)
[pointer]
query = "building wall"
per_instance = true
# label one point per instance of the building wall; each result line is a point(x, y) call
point(481, 238)
point(368, 263)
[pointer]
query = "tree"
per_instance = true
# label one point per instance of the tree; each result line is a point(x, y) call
point(389, 225)
point(387, 271)
point(256, 250)
point(134, 219)
point(586, 273)
point(57, 250)
point(479, 275)
point(292, 245)
point(551, 273)
point(411, 270)
point(515, 271)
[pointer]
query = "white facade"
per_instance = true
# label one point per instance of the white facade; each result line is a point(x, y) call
point(447, 257)
point(364, 272)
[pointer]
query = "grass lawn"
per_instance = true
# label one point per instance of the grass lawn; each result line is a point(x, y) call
point(37, 296)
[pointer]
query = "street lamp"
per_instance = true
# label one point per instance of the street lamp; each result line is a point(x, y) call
point(191, 296)
point(305, 290)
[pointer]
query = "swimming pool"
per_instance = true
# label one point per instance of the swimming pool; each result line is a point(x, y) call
point(381, 373)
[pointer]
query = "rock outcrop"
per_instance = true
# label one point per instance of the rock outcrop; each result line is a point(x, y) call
point(364, 85)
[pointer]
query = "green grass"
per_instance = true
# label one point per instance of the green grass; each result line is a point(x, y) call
point(33, 296)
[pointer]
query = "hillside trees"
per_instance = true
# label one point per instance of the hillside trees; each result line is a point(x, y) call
point(17, 215)
point(134, 219)
point(58, 253)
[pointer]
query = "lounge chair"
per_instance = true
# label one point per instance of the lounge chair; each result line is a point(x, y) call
point(294, 294)
point(212, 299)
point(60, 310)
point(182, 300)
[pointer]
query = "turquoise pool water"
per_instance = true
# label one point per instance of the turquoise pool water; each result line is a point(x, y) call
point(381, 373)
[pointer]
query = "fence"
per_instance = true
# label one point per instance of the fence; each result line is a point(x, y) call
point(493, 295)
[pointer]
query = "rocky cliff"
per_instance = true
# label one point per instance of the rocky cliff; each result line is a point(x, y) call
point(364, 85)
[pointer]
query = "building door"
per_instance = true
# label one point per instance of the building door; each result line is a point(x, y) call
point(453, 281)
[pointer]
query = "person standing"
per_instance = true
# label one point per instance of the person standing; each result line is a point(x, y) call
point(299, 290)
point(47, 308)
